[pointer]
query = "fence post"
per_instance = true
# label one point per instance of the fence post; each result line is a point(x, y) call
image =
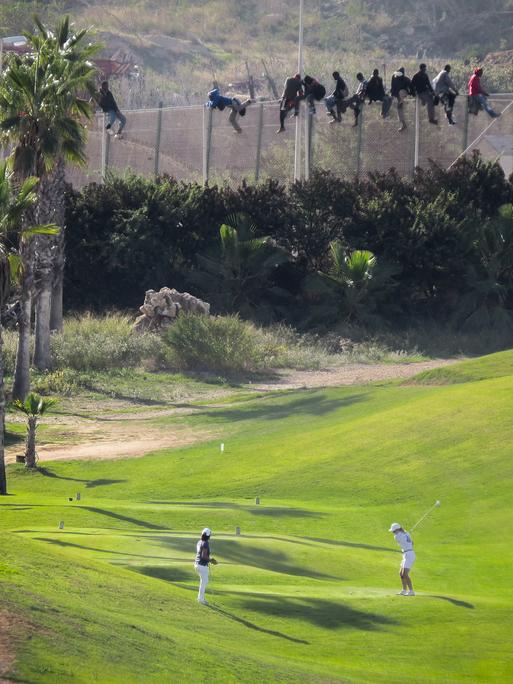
point(297, 144)
point(417, 135)
point(465, 127)
point(259, 141)
point(359, 143)
point(105, 149)
point(207, 140)
point(157, 139)
point(308, 143)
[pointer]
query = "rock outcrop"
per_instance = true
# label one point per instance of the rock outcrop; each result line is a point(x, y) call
point(160, 309)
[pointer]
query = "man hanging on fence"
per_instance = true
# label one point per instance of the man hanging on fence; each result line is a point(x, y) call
point(421, 86)
point(337, 99)
point(238, 108)
point(447, 92)
point(292, 94)
point(111, 110)
point(400, 88)
point(477, 95)
point(376, 93)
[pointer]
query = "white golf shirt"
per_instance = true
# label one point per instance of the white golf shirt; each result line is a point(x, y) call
point(404, 541)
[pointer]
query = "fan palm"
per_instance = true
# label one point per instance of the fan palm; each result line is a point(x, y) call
point(13, 206)
point(42, 110)
point(33, 406)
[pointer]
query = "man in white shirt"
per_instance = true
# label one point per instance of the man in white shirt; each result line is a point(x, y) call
point(406, 544)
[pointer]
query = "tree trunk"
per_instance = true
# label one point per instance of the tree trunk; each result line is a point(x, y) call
point(56, 323)
point(3, 476)
point(42, 351)
point(30, 443)
point(49, 261)
point(22, 369)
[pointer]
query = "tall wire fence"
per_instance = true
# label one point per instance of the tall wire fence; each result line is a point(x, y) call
point(196, 144)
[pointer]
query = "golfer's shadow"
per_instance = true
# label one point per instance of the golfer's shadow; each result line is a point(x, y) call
point(455, 602)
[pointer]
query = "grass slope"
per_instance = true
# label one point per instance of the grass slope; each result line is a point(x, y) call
point(306, 593)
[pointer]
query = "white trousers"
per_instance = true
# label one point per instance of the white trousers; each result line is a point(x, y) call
point(202, 571)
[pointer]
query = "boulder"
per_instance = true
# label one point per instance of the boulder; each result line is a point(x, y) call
point(160, 309)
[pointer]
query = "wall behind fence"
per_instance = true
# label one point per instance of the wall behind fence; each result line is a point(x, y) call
point(193, 143)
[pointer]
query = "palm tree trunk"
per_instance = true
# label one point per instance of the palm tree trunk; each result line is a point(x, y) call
point(3, 476)
point(56, 322)
point(42, 351)
point(22, 369)
point(30, 443)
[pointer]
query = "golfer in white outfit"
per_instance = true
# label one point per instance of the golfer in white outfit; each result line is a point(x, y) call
point(405, 542)
point(201, 563)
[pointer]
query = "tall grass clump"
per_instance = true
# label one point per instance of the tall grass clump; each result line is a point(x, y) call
point(102, 343)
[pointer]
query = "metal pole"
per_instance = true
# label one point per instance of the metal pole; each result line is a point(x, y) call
point(359, 143)
point(157, 139)
point(465, 126)
point(105, 150)
point(207, 140)
point(259, 141)
point(308, 144)
point(417, 135)
point(297, 147)
point(1, 53)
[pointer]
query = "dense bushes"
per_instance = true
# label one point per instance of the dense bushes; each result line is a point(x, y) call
point(426, 234)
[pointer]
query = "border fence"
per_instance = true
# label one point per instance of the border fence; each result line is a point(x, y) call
point(195, 144)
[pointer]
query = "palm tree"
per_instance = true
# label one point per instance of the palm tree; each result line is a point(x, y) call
point(351, 273)
point(34, 406)
point(13, 206)
point(42, 116)
point(236, 277)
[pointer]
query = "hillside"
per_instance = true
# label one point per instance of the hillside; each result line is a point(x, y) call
point(306, 592)
point(182, 46)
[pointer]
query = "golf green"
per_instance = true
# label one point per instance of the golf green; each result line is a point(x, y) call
point(306, 592)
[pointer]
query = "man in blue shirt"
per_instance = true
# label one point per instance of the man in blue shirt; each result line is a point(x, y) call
point(218, 101)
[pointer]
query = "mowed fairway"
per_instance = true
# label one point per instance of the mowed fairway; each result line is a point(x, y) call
point(306, 593)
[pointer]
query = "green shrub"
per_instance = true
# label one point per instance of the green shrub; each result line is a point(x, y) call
point(10, 345)
point(222, 343)
point(101, 343)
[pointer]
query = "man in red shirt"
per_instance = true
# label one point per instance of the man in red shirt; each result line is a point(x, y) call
point(478, 97)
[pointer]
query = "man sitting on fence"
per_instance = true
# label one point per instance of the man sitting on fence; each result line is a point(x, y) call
point(400, 88)
point(355, 102)
point(218, 101)
point(376, 93)
point(314, 92)
point(337, 99)
point(421, 86)
point(292, 94)
point(477, 95)
point(108, 104)
point(446, 90)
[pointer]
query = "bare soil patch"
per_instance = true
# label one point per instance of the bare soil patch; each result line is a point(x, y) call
point(10, 634)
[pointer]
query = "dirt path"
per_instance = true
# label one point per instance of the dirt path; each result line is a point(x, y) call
point(7, 625)
point(131, 434)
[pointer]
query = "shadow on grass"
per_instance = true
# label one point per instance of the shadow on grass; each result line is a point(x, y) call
point(236, 553)
point(251, 625)
point(455, 602)
point(318, 612)
point(90, 484)
point(351, 545)
point(123, 518)
point(276, 511)
point(316, 404)
point(12, 438)
point(81, 547)
point(164, 573)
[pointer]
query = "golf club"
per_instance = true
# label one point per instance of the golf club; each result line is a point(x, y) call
point(435, 505)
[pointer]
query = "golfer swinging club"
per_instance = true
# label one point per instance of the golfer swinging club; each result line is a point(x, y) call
point(203, 558)
point(405, 542)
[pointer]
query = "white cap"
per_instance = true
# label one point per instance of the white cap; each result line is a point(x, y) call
point(394, 527)
point(206, 531)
